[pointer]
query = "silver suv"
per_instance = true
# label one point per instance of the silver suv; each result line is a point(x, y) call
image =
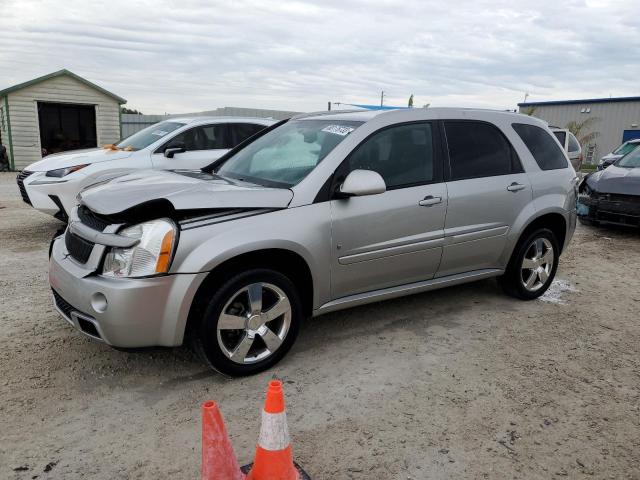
point(315, 214)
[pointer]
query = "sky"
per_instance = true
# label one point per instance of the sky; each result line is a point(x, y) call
point(196, 55)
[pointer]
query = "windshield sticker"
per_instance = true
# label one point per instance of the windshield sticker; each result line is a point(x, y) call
point(159, 133)
point(338, 130)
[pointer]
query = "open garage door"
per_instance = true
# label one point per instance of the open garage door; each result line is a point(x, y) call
point(66, 126)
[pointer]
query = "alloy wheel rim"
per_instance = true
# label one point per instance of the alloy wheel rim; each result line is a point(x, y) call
point(537, 264)
point(254, 323)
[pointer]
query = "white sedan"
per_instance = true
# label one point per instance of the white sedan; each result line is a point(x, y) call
point(52, 184)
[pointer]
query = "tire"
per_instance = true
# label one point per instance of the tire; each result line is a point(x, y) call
point(517, 279)
point(264, 348)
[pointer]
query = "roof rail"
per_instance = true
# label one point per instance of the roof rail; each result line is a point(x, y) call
point(325, 112)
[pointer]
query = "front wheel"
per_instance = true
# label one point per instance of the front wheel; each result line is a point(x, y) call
point(250, 323)
point(533, 265)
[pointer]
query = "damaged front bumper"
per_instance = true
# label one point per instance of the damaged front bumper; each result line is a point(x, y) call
point(610, 208)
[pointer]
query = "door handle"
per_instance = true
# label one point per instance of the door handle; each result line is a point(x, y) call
point(429, 200)
point(515, 187)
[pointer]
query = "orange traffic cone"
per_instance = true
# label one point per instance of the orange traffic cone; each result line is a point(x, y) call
point(274, 457)
point(218, 460)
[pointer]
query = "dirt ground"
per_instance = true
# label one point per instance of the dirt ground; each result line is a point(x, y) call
point(459, 383)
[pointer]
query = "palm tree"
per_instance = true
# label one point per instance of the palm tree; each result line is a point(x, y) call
point(580, 129)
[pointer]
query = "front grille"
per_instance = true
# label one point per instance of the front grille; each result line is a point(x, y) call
point(614, 197)
point(20, 181)
point(62, 304)
point(619, 218)
point(92, 220)
point(79, 248)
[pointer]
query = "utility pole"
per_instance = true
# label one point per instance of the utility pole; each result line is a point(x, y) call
point(381, 97)
point(329, 106)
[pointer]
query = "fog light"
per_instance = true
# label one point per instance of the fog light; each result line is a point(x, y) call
point(99, 302)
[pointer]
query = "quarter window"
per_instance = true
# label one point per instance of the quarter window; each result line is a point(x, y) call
point(545, 151)
point(574, 146)
point(478, 149)
point(561, 136)
point(402, 155)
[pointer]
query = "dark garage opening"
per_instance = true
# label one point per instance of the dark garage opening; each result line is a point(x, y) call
point(66, 127)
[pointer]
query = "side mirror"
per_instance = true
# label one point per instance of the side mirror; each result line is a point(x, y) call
point(174, 148)
point(362, 182)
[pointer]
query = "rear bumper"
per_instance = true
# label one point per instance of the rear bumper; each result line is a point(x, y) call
point(119, 311)
point(615, 210)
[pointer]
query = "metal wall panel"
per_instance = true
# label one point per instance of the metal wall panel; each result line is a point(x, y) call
point(613, 119)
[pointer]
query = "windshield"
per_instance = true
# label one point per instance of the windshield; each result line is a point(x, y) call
point(630, 161)
point(625, 148)
point(149, 135)
point(283, 157)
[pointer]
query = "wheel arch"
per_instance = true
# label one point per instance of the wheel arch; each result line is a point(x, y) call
point(554, 221)
point(287, 262)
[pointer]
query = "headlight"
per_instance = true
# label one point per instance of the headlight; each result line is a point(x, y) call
point(151, 256)
point(63, 172)
point(585, 189)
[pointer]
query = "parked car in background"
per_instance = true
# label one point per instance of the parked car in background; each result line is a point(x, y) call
point(612, 195)
point(323, 212)
point(52, 184)
point(624, 149)
point(570, 145)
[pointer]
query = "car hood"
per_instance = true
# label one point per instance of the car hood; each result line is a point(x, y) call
point(185, 190)
point(610, 158)
point(624, 181)
point(76, 157)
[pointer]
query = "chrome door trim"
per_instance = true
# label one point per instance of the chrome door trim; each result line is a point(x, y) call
point(388, 252)
point(402, 290)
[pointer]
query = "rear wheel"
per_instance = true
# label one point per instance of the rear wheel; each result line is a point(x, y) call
point(533, 265)
point(250, 323)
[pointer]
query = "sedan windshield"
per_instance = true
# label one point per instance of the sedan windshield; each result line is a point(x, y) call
point(630, 161)
point(149, 135)
point(625, 148)
point(286, 155)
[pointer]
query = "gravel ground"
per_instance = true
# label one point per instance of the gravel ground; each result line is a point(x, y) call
point(458, 383)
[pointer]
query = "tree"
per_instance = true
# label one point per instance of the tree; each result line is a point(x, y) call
point(582, 130)
point(129, 110)
point(530, 111)
point(411, 101)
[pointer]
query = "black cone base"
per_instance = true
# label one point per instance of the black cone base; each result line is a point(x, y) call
point(301, 472)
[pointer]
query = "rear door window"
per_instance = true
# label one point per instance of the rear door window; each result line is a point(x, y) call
point(241, 131)
point(479, 149)
point(545, 151)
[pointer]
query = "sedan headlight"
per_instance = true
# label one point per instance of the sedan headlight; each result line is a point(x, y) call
point(151, 256)
point(63, 172)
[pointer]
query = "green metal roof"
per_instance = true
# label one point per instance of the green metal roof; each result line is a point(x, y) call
point(60, 73)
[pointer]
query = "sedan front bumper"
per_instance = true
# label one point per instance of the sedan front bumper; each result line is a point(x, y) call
point(122, 312)
point(610, 208)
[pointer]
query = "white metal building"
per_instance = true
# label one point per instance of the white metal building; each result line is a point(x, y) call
point(614, 120)
point(57, 112)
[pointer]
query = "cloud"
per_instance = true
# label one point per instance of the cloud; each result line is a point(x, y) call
point(197, 55)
